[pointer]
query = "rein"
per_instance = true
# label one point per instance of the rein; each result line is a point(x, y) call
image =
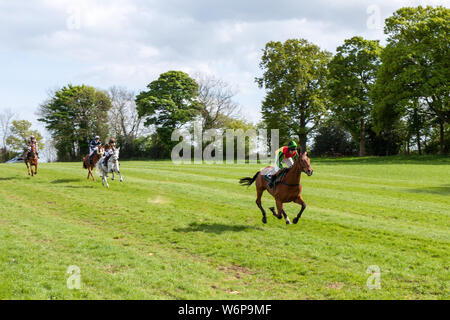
point(290, 185)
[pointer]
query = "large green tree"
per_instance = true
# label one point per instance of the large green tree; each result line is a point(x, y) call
point(170, 102)
point(415, 66)
point(352, 75)
point(74, 115)
point(294, 77)
point(20, 134)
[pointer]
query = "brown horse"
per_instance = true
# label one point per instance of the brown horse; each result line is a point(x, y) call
point(288, 190)
point(31, 161)
point(91, 165)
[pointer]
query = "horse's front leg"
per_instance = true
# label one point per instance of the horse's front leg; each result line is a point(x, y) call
point(106, 180)
point(35, 169)
point(28, 169)
point(286, 218)
point(300, 201)
point(120, 175)
point(281, 212)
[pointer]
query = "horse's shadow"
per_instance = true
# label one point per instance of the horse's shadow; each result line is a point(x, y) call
point(217, 228)
point(8, 179)
point(65, 181)
point(441, 190)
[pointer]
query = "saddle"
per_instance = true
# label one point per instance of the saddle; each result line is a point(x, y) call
point(279, 177)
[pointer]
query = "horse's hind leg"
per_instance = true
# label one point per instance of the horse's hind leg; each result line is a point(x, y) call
point(259, 204)
point(91, 174)
point(303, 204)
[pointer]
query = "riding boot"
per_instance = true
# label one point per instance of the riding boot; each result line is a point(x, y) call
point(272, 180)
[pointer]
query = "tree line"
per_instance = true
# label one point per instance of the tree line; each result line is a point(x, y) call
point(365, 99)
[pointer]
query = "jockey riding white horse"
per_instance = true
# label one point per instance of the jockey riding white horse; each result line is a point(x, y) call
point(111, 167)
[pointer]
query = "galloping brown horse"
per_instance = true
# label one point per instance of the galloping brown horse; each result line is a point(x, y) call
point(32, 161)
point(91, 165)
point(288, 190)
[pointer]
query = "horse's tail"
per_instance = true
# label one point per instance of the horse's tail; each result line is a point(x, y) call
point(248, 181)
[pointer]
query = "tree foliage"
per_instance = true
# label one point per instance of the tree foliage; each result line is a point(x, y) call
point(332, 140)
point(20, 134)
point(415, 66)
point(170, 102)
point(74, 115)
point(294, 77)
point(352, 75)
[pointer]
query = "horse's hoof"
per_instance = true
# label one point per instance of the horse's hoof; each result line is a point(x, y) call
point(279, 217)
point(264, 220)
point(288, 222)
point(295, 220)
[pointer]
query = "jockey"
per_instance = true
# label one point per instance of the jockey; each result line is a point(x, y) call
point(109, 151)
point(30, 143)
point(93, 147)
point(287, 155)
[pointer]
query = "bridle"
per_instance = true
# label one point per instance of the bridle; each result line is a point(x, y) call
point(298, 169)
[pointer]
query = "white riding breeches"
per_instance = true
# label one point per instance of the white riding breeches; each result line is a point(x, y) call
point(287, 161)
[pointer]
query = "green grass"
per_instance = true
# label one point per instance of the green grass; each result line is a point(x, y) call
point(191, 232)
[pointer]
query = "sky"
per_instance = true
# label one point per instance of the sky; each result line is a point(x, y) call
point(46, 44)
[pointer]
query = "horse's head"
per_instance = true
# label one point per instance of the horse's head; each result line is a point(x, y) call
point(115, 156)
point(305, 163)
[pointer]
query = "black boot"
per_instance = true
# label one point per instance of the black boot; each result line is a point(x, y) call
point(272, 180)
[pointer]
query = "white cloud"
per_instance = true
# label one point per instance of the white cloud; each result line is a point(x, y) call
point(130, 42)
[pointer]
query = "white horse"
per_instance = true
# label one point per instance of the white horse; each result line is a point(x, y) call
point(111, 167)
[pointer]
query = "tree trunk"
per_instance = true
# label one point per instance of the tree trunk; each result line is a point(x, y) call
point(442, 138)
point(302, 137)
point(419, 147)
point(362, 140)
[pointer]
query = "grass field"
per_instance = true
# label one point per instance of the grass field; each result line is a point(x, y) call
point(191, 232)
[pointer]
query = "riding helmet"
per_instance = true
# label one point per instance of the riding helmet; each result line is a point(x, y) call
point(292, 145)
